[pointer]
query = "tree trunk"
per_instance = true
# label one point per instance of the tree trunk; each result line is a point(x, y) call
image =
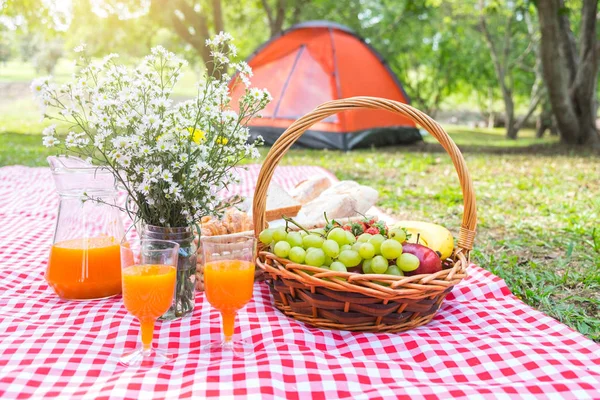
point(544, 120)
point(500, 67)
point(218, 16)
point(276, 18)
point(540, 127)
point(492, 116)
point(570, 79)
point(509, 107)
point(491, 120)
point(189, 24)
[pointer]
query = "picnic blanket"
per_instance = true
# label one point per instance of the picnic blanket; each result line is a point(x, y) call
point(483, 343)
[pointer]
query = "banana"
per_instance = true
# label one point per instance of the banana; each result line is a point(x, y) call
point(436, 237)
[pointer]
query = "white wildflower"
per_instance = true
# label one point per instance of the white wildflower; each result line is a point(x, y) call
point(122, 122)
point(161, 102)
point(80, 48)
point(117, 156)
point(244, 68)
point(120, 142)
point(221, 38)
point(50, 141)
point(245, 80)
point(145, 150)
point(39, 85)
point(71, 140)
point(125, 161)
point(166, 175)
point(144, 187)
point(49, 130)
point(219, 57)
point(152, 121)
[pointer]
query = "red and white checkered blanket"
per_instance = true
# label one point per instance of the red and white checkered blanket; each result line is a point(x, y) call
point(484, 342)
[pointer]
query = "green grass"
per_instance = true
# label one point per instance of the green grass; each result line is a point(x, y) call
point(484, 138)
point(23, 73)
point(18, 71)
point(17, 148)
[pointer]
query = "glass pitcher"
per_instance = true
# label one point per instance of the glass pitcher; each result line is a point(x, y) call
point(85, 255)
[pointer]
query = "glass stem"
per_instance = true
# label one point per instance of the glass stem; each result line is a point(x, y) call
point(228, 325)
point(147, 327)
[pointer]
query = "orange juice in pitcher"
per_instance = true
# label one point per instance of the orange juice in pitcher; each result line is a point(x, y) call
point(84, 260)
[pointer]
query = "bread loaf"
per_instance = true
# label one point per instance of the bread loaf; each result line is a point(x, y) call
point(280, 203)
point(310, 189)
point(344, 199)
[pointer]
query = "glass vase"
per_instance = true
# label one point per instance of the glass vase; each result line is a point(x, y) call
point(183, 300)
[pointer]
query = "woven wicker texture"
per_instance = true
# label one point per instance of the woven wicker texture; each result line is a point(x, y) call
point(359, 302)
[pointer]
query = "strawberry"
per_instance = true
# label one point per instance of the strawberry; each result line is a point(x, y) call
point(372, 230)
point(347, 228)
point(381, 227)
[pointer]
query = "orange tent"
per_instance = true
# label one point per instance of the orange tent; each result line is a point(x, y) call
point(318, 61)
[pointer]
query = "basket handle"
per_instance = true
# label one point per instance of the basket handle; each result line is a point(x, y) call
point(296, 129)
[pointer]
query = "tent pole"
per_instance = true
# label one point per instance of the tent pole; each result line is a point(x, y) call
point(338, 89)
point(336, 74)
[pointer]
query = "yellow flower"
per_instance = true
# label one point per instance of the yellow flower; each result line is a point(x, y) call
point(222, 140)
point(197, 135)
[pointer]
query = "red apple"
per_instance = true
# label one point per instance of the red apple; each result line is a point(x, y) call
point(429, 261)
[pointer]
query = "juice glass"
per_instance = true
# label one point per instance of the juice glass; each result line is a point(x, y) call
point(148, 281)
point(228, 283)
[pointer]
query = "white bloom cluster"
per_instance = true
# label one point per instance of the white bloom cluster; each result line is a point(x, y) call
point(49, 140)
point(173, 158)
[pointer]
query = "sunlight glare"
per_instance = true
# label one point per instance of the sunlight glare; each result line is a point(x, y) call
point(123, 9)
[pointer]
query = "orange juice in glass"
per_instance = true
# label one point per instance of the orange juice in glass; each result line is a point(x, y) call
point(228, 283)
point(87, 268)
point(148, 281)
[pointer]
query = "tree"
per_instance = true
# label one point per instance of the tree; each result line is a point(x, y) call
point(275, 15)
point(194, 23)
point(509, 58)
point(6, 44)
point(46, 54)
point(131, 26)
point(279, 11)
point(571, 69)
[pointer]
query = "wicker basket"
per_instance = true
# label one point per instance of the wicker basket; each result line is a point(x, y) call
point(359, 302)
